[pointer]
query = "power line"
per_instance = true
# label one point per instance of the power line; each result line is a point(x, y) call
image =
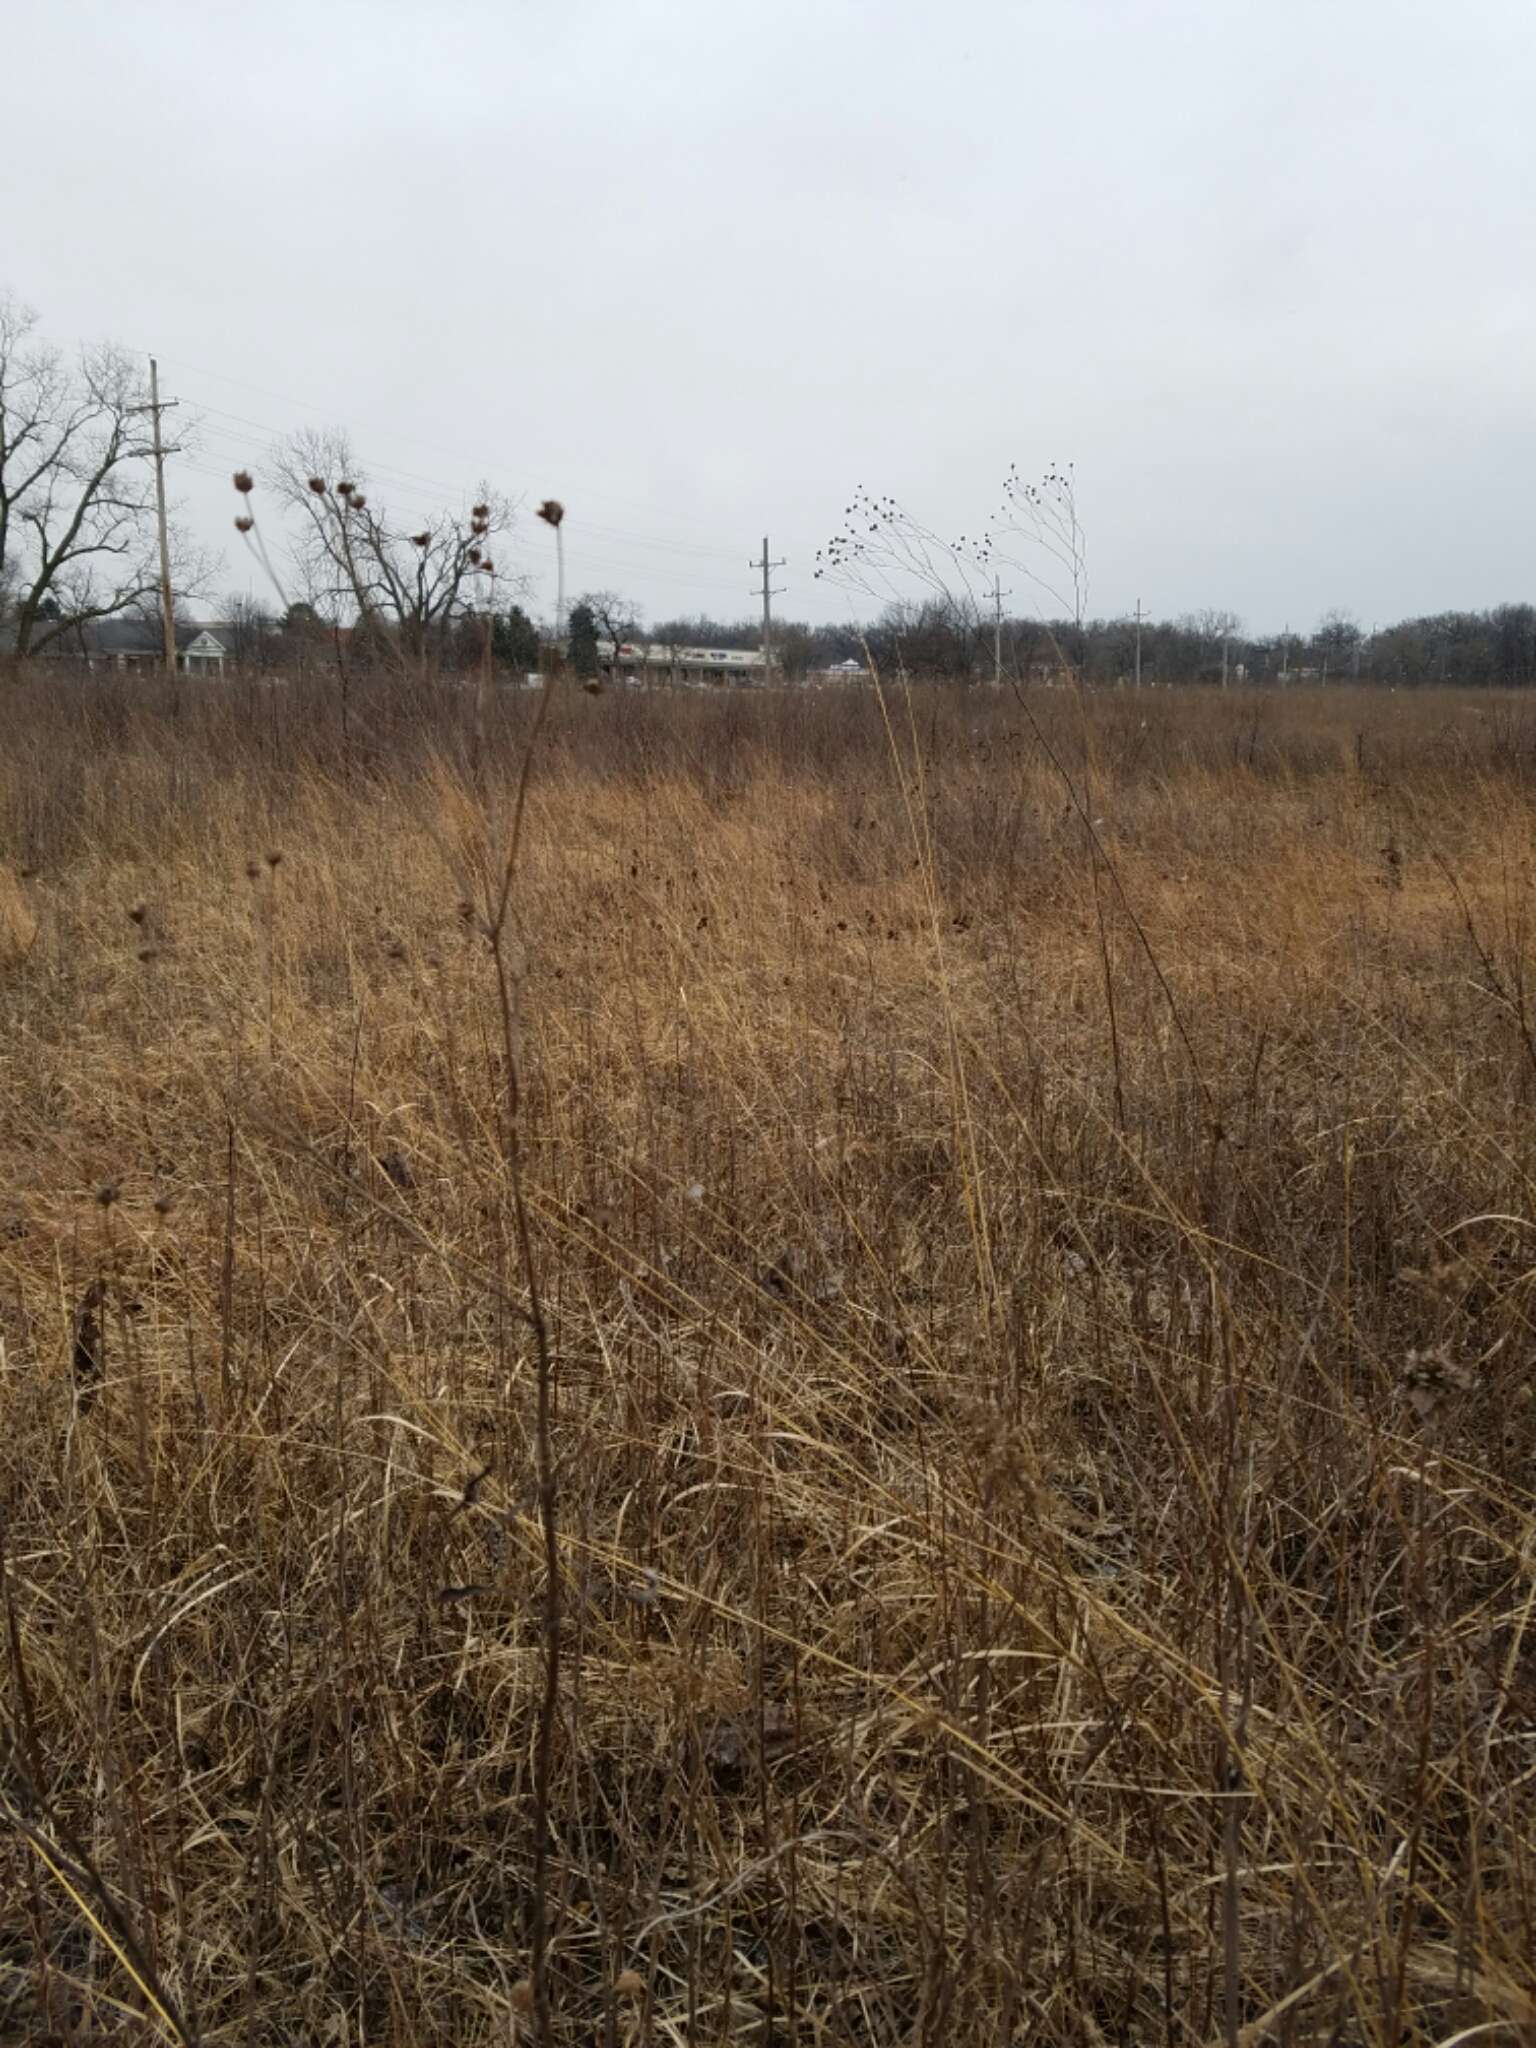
point(450, 500)
point(287, 399)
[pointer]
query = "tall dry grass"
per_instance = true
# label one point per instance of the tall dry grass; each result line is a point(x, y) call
point(1035, 1205)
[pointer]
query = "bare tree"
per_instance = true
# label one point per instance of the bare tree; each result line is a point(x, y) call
point(77, 496)
point(1215, 628)
point(616, 619)
point(251, 630)
point(409, 586)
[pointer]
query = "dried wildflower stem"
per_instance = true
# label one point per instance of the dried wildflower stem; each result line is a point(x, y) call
point(549, 1704)
point(72, 1869)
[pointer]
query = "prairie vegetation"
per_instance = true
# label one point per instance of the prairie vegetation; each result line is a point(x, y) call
point(1034, 1208)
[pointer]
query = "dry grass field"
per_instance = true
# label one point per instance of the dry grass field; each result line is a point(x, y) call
point(1033, 1212)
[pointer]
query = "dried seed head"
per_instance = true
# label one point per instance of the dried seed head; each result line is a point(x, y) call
point(244, 523)
point(474, 555)
point(108, 1193)
point(148, 953)
point(480, 512)
point(488, 567)
point(358, 501)
point(317, 485)
point(551, 511)
point(520, 1997)
point(344, 490)
point(1432, 1380)
point(274, 860)
point(245, 483)
point(252, 871)
point(420, 540)
point(138, 913)
point(164, 1204)
point(629, 1984)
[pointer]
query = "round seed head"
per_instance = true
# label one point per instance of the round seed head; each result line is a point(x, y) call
point(244, 482)
point(551, 511)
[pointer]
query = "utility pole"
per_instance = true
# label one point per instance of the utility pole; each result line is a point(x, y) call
point(1140, 615)
point(998, 594)
point(167, 603)
point(769, 593)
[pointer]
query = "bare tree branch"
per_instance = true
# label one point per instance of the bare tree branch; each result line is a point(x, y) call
point(76, 487)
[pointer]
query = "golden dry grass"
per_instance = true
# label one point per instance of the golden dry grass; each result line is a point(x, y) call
point(1036, 1209)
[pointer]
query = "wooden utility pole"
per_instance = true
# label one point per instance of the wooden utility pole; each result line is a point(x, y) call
point(769, 593)
point(167, 602)
point(998, 594)
point(1140, 615)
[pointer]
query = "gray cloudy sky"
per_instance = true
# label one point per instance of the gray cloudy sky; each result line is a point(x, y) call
point(1265, 273)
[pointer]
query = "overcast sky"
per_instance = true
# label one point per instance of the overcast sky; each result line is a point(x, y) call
point(1266, 274)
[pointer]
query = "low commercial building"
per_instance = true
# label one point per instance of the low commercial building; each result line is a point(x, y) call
point(643, 662)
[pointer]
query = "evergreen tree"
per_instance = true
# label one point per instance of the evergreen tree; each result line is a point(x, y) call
point(583, 641)
point(515, 641)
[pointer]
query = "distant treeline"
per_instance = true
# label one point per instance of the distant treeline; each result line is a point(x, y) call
point(1489, 649)
point(956, 643)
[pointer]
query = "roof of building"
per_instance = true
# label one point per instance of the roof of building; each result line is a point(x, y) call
point(130, 635)
point(660, 653)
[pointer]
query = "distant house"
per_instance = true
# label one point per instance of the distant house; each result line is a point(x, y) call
point(125, 643)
